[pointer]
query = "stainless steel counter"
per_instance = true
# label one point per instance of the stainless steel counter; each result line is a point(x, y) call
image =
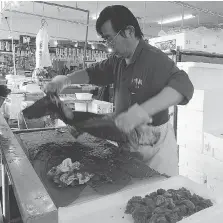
point(33, 200)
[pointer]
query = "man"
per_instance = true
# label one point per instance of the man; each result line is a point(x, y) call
point(146, 84)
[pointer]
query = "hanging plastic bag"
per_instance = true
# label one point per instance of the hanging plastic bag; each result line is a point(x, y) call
point(42, 50)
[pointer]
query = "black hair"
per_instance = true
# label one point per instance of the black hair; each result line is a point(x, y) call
point(120, 18)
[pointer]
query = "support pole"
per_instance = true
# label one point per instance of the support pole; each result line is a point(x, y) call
point(86, 37)
point(13, 54)
point(47, 17)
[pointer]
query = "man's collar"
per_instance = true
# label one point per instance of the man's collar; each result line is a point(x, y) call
point(138, 50)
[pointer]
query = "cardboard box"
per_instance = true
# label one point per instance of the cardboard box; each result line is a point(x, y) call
point(215, 184)
point(197, 101)
point(204, 76)
point(214, 141)
point(196, 176)
point(186, 41)
point(190, 119)
point(190, 139)
point(202, 163)
point(209, 144)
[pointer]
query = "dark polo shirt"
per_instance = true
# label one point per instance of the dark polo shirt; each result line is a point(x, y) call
point(149, 72)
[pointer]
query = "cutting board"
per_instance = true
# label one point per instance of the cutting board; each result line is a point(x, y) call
point(98, 157)
point(52, 156)
point(60, 196)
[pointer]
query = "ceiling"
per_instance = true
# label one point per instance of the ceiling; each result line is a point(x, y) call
point(148, 13)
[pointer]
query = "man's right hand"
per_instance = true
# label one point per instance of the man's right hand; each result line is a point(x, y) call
point(57, 84)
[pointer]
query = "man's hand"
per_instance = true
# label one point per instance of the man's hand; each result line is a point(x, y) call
point(134, 117)
point(57, 84)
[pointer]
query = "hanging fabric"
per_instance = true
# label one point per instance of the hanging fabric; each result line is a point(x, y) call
point(42, 50)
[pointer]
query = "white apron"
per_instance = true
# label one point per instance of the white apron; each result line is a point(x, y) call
point(158, 146)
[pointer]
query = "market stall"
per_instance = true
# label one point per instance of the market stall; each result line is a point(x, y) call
point(109, 185)
point(37, 204)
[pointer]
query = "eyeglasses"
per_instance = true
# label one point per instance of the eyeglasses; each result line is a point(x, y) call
point(111, 42)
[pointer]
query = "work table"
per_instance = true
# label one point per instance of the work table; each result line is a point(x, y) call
point(34, 202)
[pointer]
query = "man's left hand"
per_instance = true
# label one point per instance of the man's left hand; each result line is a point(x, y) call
point(132, 118)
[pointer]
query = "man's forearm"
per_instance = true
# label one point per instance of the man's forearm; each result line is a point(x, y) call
point(79, 77)
point(166, 98)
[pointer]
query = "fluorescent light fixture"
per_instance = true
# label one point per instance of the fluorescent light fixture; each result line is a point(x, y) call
point(15, 4)
point(176, 19)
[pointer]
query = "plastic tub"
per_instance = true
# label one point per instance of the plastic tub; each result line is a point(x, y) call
point(83, 96)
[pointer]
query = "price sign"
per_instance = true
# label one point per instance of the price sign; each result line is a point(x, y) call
point(24, 39)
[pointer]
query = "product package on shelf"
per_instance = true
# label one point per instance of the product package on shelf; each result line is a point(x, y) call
point(199, 39)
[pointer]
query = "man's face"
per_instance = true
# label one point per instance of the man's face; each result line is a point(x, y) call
point(115, 41)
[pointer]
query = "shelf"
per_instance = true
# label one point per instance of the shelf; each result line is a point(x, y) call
point(4, 52)
point(199, 53)
point(192, 53)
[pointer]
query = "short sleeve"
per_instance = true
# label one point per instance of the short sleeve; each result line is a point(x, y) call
point(180, 81)
point(166, 73)
point(102, 73)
